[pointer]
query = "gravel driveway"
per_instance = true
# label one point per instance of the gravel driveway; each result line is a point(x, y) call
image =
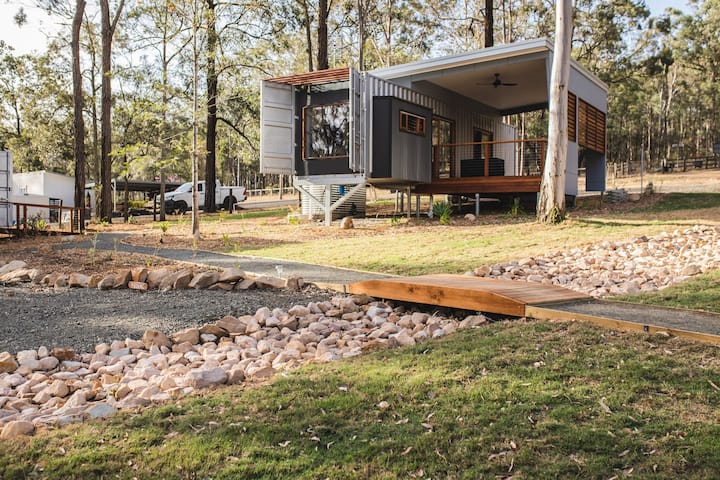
point(81, 318)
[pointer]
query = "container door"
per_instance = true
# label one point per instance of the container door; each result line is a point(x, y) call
point(277, 128)
point(357, 122)
point(6, 210)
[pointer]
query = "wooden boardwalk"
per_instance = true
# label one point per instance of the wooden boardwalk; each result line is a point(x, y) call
point(504, 297)
point(546, 302)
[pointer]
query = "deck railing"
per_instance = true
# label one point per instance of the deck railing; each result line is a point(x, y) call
point(506, 158)
point(23, 221)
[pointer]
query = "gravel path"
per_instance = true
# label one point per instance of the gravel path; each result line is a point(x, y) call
point(318, 274)
point(81, 318)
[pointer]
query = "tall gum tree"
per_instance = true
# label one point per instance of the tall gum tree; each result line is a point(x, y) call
point(78, 106)
point(107, 31)
point(551, 201)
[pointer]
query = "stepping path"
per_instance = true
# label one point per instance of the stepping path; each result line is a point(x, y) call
point(323, 276)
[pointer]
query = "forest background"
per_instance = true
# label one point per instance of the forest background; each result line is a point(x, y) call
point(662, 72)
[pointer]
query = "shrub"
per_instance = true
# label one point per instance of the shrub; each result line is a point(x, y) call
point(443, 211)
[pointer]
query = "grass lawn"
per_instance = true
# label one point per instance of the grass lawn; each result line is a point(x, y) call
point(522, 399)
point(458, 248)
point(699, 293)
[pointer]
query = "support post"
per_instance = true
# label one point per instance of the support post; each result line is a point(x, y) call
point(430, 210)
point(417, 206)
point(477, 204)
point(60, 212)
point(409, 210)
point(328, 203)
point(231, 204)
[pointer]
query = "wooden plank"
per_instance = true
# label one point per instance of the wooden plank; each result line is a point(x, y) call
point(548, 313)
point(503, 184)
point(469, 293)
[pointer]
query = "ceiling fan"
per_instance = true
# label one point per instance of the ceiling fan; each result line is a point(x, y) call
point(498, 83)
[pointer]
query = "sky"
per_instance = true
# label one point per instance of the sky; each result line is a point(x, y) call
point(33, 36)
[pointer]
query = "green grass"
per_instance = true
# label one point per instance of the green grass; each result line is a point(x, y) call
point(698, 293)
point(683, 201)
point(533, 400)
point(455, 248)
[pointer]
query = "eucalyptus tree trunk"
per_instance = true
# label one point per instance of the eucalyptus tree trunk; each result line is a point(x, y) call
point(212, 88)
point(551, 201)
point(107, 31)
point(195, 203)
point(489, 24)
point(78, 105)
point(322, 36)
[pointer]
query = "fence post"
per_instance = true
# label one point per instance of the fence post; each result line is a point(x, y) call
point(60, 214)
point(231, 204)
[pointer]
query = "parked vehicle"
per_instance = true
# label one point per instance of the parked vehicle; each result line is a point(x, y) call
point(180, 200)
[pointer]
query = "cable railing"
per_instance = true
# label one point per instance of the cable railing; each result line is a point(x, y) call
point(505, 158)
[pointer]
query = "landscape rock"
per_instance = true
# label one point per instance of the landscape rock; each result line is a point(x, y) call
point(139, 274)
point(245, 284)
point(122, 279)
point(139, 286)
point(266, 281)
point(231, 275)
point(12, 266)
point(17, 428)
point(189, 335)
point(7, 363)
point(78, 280)
point(204, 280)
point(154, 277)
point(107, 282)
point(155, 337)
point(100, 410)
point(182, 279)
point(295, 283)
point(200, 378)
point(347, 223)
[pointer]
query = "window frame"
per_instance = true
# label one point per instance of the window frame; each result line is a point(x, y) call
point(305, 132)
point(420, 123)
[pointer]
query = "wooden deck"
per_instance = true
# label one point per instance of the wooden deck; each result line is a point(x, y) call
point(522, 299)
point(504, 297)
point(472, 185)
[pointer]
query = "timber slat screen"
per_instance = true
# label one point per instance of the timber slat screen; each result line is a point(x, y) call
point(591, 127)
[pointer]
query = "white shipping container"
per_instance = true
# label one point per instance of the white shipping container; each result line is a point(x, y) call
point(7, 213)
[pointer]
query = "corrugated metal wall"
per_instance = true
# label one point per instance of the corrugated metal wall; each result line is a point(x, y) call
point(466, 121)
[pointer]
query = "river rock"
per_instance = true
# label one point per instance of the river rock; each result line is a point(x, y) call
point(7, 363)
point(204, 378)
point(155, 337)
point(189, 335)
point(17, 428)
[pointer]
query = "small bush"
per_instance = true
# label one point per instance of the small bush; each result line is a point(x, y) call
point(443, 211)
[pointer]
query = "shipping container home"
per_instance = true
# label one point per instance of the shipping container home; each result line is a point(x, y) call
point(430, 127)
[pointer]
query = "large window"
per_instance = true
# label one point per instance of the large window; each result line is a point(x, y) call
point(443, 136)
point(327, 130)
